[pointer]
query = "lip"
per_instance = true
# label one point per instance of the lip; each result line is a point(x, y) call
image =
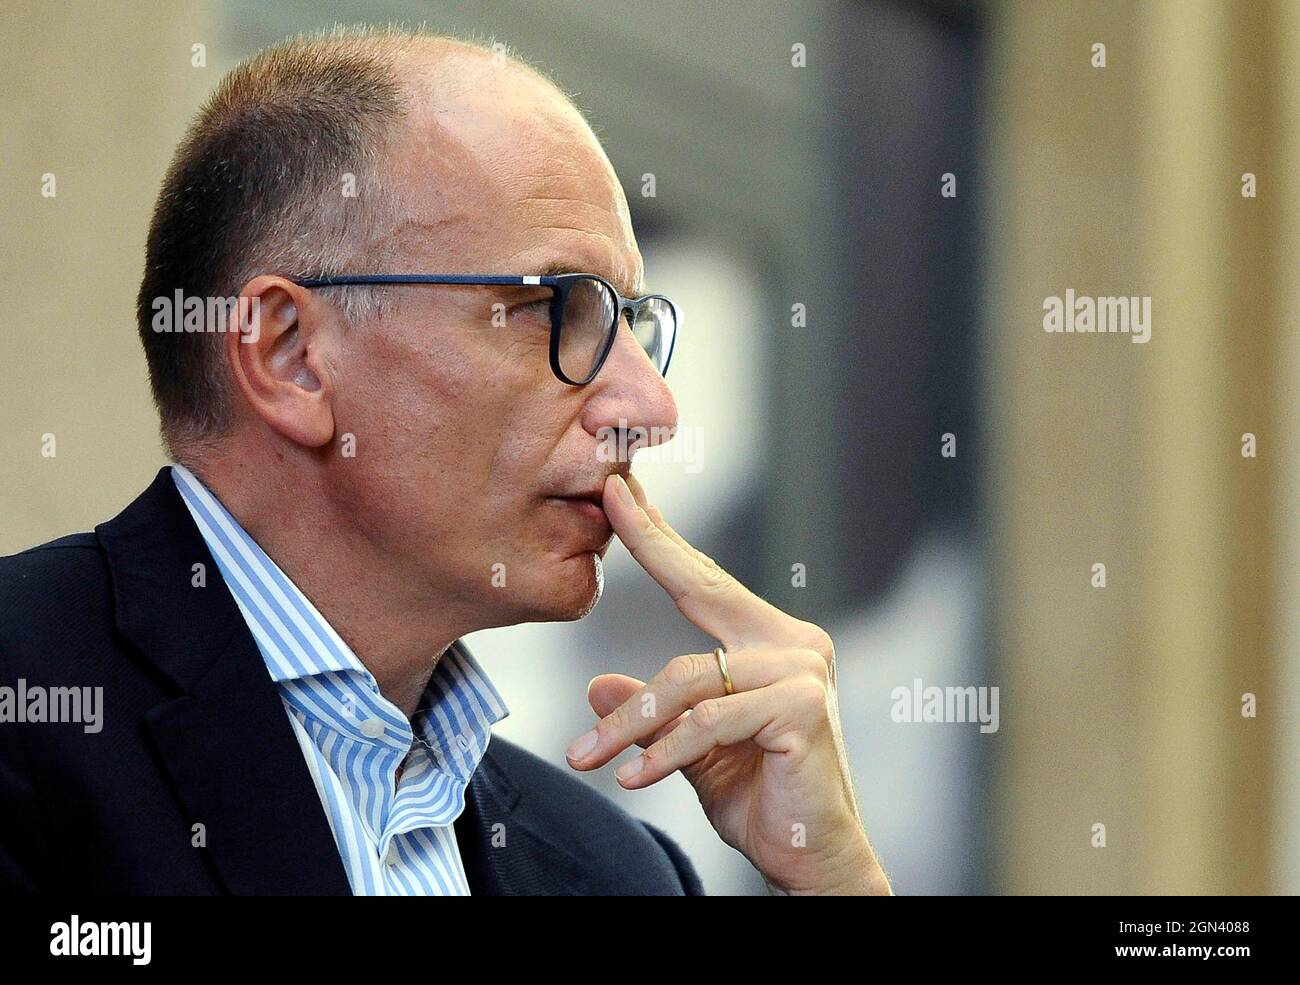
point(588, 510)
point(585, 506)
point(594, 494)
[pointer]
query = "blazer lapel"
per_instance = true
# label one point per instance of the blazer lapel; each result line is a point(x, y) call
point(225, 738)
point(505, 848)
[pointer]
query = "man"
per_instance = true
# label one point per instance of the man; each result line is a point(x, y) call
point(371, 465)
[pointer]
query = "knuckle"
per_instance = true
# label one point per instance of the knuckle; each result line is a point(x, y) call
point(649, 529)
point(658, 753)
point(616, 723)
point(707, 715)
point(799, 748)
point(712, 576)
point(813, 664)
point(682, 670)
point(812, 694)
point(608, 727)
point(813, 637)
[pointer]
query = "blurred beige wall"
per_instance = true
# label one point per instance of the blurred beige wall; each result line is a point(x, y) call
point(1122, 705)
point(1287, 557)
point(96, 95)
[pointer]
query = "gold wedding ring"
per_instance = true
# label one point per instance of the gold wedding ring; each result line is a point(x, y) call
point(722, 666)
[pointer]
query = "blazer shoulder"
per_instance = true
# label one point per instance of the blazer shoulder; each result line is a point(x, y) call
point(593, 828)
point(51, 564)
point(52, 594)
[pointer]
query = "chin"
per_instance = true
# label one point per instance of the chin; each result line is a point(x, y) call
point(573, 588)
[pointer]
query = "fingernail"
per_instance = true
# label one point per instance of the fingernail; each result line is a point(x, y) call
point(624, 492)
point(582, 745)
point(630, 768)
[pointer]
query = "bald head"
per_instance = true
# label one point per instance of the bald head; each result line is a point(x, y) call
point(499, 172)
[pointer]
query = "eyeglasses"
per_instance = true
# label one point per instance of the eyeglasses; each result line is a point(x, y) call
point(585, 312)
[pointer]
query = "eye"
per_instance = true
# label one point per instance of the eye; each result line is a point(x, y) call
point(539, 311)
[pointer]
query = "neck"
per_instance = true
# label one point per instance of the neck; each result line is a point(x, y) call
point(396, 630)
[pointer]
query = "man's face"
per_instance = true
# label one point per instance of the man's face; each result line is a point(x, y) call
point(464, 437)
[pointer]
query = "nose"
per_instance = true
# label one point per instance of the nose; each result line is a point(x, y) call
point(629, 403)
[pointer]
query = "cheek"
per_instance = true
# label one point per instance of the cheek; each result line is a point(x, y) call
point(448, 360)
point(524, 437)
point(470, 422)
point(402, 383)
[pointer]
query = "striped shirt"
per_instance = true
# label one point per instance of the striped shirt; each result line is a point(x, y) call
point(395, 839)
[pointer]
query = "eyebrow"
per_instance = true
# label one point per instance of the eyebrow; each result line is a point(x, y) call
point(559, 267)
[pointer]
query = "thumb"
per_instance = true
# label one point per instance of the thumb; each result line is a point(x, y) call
point(606, 692)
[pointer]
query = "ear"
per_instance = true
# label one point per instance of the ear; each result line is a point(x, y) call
point(279, 344)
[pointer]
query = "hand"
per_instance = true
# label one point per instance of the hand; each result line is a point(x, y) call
point(768, 761)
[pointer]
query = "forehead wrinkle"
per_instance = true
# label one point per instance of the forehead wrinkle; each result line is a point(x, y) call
point(534, 193)
point(411, 230)
point(540, 212)
point(610, 255)
point(549, 261)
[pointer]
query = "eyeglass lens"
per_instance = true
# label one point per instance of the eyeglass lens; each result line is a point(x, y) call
point(589, 319)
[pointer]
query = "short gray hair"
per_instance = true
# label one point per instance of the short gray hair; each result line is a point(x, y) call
point(257, 186)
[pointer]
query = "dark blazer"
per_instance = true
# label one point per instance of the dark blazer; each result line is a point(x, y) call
point(194, 732)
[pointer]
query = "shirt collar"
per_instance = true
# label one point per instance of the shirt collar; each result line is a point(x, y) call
point(295, 640)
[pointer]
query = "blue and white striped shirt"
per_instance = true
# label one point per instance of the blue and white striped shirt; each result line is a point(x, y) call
point(395, 839)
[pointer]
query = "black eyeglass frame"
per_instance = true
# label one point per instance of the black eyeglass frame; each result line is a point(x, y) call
point(561, 284)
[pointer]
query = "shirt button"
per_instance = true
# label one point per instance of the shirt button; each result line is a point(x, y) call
point(463, 742)
point(372, 728)
point(390, 857)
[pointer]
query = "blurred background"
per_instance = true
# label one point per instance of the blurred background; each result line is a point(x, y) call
point(861, 208)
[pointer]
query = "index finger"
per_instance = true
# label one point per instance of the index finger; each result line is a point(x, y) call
point(704, 593)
